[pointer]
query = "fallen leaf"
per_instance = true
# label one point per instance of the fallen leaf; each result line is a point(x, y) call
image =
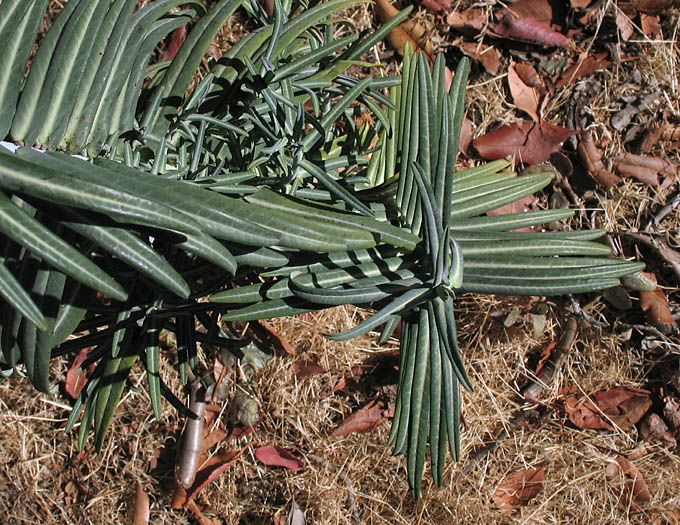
point(486, 55)
point(579, 4)
point(274, 456)
point(591, 157)
point(522, 205)
point(671, 412)
point(405, 32)
point(669, 516)
point(528, 30)
point(654, 429)
point(470, 21)
point(211, 470)
point(272, 338)
point(528, 75)
point(624, 471)
point(625, 26)
point(622, 406)
point(655, 305)
point(530, 142)
point(465, 136)
point(585, 66)
point(651, 26)
point(647, 169)
point(141, 509)
point(546, 11)
point(269, 6)
point(177, 39)
point(519, 489)
point(307, 367)
point(77, 379)
point(367, 418)
point(525, 97)
point(438, 6)
point(546, 353)
point(654, 7)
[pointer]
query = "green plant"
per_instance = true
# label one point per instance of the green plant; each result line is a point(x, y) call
point(259, 173)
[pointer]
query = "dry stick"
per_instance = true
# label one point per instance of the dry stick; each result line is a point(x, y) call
point(530, 393)
point(661, 214)
point(351, 500)
point(668, 254)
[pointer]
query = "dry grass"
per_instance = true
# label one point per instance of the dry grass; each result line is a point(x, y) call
point(43, 478)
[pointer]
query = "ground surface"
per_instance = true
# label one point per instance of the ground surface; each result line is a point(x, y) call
point(44, 479)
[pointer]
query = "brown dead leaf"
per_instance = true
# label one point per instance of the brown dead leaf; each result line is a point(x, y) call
point(634, 484)
point(647, 169)
point(486, 55)
point(437, 6)
point(266, 333)
point(671, 412)
point(470, 21)
point(177, 38)
point(519, 489)
point(211, 470)
point(546, 11)
point(274, 456)
point(406, 32)
point(651, 26)
point(525, 97)
point(465, 136)
point(655, 305)
point(530, 30)
point(141, 509)
point(366, 418)
point(591, 157)
point(307, 367)
point(654, 7)
point(522, 205)
point(586, 65)
point(77, 379)
point(622, 406)
point(625, 26)
point(669, 516)
point(530, 142)
point(654, 429)
point(652, 137)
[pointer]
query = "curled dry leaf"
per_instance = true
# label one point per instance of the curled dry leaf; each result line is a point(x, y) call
point(634, 484)
point(519, 489)
point(654, 429)
point(622, 406)
point(76, 379)
point(530, 142)
point(307, 367)
point(274, 456)
point(625, 25)
point(671, 412)
point(438, 6)
point(651, 26)
point(654, 7)
point(406, 32)
point(655, 305)
point(141, 510)
point(529, 30)
point(294, 516)
point(486, 55)
point(367, 418)
point(647, 169)
point(586, 65)
point(465, 136)
point(525, 97)
point(470, 21)
point(591, 157)
point(667, 132)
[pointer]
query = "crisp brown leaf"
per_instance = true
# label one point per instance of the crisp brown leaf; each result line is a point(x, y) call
point(647, 169)
point(546, 11)
point(624, 471)
point(209, 471)
point(470, 21)
point(406, 32)
point(177, 39)
point(586, 65)
point(519, 489)
point(671, 412)
point(266, 333)
point(465, 135)
point(274, 456)
point(141, 509)
point(622, 406)
point(651, 26)
point(654, 429)
point(591, 157)
point(486, 55)
point(530, 142)
point(625, 25)
point(522, 205)
point(77, 379)
point(525, 97)
point(307, 367)
point(367, 418)
point(654, 7)
point(655, 305)
point(438, 6)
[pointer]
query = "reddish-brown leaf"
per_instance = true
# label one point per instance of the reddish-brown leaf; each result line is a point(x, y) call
point(647, 169)
point(438, 6)
point(655, 305)
point(529, 30)
point(622, 406)
point(671, 412)
point(177, 38)
point(624, 471)
point(651, 26)
point(488, 56)
point(406, 32)
point(141, 509)
point(470, 21)
point(274, 456)
point(465, 135)
point(211, 470)
point(654, 429)
point(266, 333)
point(525, 97)
point(519, 489)
point(528, 75)
point(522, 205)
point(591, 157)
point(529, 142)
point(77, 379)
point(307, 367)
point(626, 28)
point(586, 65)
point(546, 11)
point(654, 7)
point(367, 418)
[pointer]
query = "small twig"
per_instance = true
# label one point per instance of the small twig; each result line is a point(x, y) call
point(530, 393)
point(585, 315)
point(351, 499)
point(661, 214)
point(668, 254)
